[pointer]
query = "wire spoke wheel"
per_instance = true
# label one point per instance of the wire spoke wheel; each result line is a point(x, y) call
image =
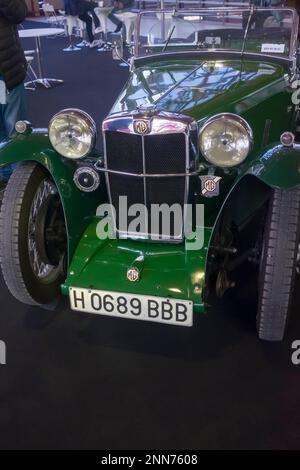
point(33, 239)
point(45, 229)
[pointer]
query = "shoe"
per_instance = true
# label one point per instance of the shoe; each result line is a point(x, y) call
point(93, 44)
point(119, 27)
point(83, 44)
point(98, 30)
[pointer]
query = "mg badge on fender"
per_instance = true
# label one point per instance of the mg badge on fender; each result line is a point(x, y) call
point(133, 275)
point(141, 127)
point(210, 185)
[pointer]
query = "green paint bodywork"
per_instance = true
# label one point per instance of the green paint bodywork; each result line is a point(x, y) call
point(168, 270)
point(257, 90)
point(79, 208)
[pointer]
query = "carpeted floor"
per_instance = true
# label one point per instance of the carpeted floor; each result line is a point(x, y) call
point(92, 81)
point(76, 381)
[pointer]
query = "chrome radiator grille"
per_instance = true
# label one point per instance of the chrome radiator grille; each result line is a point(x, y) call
point(147, 169)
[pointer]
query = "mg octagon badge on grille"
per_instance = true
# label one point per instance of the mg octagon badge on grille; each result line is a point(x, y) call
point(141, 126)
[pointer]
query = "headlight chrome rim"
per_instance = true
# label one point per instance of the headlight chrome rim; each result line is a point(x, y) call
point(234, 118)
point(82, 118)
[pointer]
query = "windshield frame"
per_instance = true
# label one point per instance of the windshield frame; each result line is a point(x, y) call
point(191, 12)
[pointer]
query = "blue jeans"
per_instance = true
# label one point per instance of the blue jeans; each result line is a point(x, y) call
point(10, 113)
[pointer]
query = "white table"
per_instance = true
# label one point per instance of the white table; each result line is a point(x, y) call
point(103, 13)
point(128, 18)
point(37, 34)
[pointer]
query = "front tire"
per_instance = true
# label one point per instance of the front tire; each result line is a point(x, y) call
point(278, 263)
point(32, 236)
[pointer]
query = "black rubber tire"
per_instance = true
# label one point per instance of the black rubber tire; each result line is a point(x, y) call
point(17, 271)
point(278, 264)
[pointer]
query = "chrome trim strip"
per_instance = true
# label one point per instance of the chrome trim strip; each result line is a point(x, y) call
point(146, 175)
point(114, 222)
point(149, 236)
point(187, 180)
point(159, 122)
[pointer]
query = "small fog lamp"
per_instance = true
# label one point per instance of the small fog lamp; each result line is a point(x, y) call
point(287, 139)
point(23, 127)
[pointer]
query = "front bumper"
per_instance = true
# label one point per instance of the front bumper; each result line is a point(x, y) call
point(166, 270)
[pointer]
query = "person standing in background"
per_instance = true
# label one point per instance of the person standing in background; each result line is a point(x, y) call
point(119, 6)
point(259, 20)
point(85, 10)
point(13, 67)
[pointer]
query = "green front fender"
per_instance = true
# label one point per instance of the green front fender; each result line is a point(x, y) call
point(277, 166)
point(273, 167)
point(79, 208)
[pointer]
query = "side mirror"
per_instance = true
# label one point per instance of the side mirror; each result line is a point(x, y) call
point(117, 47)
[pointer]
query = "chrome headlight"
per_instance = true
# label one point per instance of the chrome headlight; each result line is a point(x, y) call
point(72, 133)
point(225, 140)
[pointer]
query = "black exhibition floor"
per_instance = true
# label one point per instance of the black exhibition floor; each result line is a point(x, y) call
point(76, 381)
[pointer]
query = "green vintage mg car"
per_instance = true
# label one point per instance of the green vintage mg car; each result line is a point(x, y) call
point(199, 178)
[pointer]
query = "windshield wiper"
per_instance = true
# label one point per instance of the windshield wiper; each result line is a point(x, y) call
point(245, 39)
point(169, 38)
point(247, 30)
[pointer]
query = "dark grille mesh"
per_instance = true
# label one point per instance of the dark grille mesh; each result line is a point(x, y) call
point(163, 154)
point(165, 191)
point(129, 186)
point(124, 152)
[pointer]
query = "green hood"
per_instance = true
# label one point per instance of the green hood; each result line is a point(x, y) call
point(199, 88)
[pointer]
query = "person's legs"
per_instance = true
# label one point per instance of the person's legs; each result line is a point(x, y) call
point(10, 113)
point(115, 20)
point(14, 110)
point(95, 18)
point(87, 19)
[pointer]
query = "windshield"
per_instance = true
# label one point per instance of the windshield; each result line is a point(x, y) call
point(270, 31)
